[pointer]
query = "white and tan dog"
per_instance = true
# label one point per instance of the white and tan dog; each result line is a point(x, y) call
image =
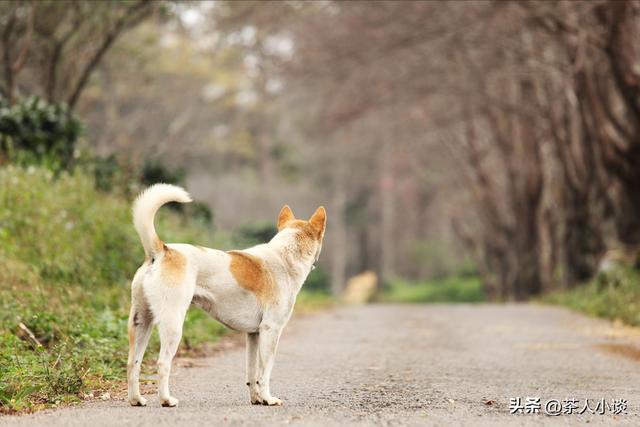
point(252, 291)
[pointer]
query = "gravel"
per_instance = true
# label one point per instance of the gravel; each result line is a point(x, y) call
point(402, 365)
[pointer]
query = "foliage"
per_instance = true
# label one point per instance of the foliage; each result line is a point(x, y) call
point(67, 254)
point(200, 211)
point(529, 207)
point(318, 281)
point(450, 289)
point(52, 47)
point(155, 171)
point(104, 170)
point(310, 301)
point(34, 131)
point(434, 260)
point(254, 233)
point(614, 294)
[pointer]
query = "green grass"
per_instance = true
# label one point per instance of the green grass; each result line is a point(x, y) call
point(309, 301)
point(450, 289)
point(613, 295)
point(67, 254)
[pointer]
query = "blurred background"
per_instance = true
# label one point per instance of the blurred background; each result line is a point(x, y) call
point(465, 151)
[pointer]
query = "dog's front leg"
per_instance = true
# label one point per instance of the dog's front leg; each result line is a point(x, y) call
point(268, 344)
point(252, 367)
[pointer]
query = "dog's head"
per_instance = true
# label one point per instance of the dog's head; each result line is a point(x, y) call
point(308, 234)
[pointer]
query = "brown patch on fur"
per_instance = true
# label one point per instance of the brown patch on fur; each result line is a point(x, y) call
point(158, 245)
point(253, 275)
point(174, 267)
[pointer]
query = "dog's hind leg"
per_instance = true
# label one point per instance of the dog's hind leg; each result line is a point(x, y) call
point(170, 329)
point(140, 327)
point(252, 367)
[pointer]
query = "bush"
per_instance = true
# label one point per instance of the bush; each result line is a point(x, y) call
point(254, 233)
point(36, 132)
point(104, 170)
point(318, 281)
point(154, 171)
point(200, 211)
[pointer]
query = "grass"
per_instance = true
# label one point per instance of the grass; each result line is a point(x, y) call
point(450, 289)
point(613, 295)
point(312, 301)
point(67, 254)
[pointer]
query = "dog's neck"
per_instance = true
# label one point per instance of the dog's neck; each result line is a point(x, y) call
point(298, 261)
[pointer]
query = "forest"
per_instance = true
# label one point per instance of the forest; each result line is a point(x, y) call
point(500, 137)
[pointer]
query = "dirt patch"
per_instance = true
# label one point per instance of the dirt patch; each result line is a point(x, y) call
point(625, 350)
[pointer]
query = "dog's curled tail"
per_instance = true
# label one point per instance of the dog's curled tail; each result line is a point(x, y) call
point(144, 212)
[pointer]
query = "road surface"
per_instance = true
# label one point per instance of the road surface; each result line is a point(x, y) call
point(404, 365)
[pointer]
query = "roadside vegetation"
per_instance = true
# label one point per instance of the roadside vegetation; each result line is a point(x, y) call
point(460, 288)
point(614, 294)
point(67, 253)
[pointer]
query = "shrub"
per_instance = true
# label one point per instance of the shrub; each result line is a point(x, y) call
point(318, 281)
point(36, 132)
point(154, 171)
point(254, 233)
point(104, 170)
point(200, 211)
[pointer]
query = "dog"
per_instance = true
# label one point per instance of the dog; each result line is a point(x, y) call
point(251, 290)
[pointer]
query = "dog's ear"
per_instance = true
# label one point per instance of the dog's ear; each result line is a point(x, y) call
point(319, 220)
point(286, 215)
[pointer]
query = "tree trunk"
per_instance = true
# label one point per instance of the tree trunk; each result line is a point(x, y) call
point(337, 228)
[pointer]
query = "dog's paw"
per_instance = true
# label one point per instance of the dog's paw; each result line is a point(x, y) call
point(255, 398)
point(272, 401)
point(169, 402)
point(138, 401)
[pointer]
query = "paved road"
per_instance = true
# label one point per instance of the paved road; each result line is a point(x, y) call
point(403, 365)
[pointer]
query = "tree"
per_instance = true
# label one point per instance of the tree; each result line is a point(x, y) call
point(51, 48)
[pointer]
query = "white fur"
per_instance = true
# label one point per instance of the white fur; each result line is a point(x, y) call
point(146, 206)
point(209, 283)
